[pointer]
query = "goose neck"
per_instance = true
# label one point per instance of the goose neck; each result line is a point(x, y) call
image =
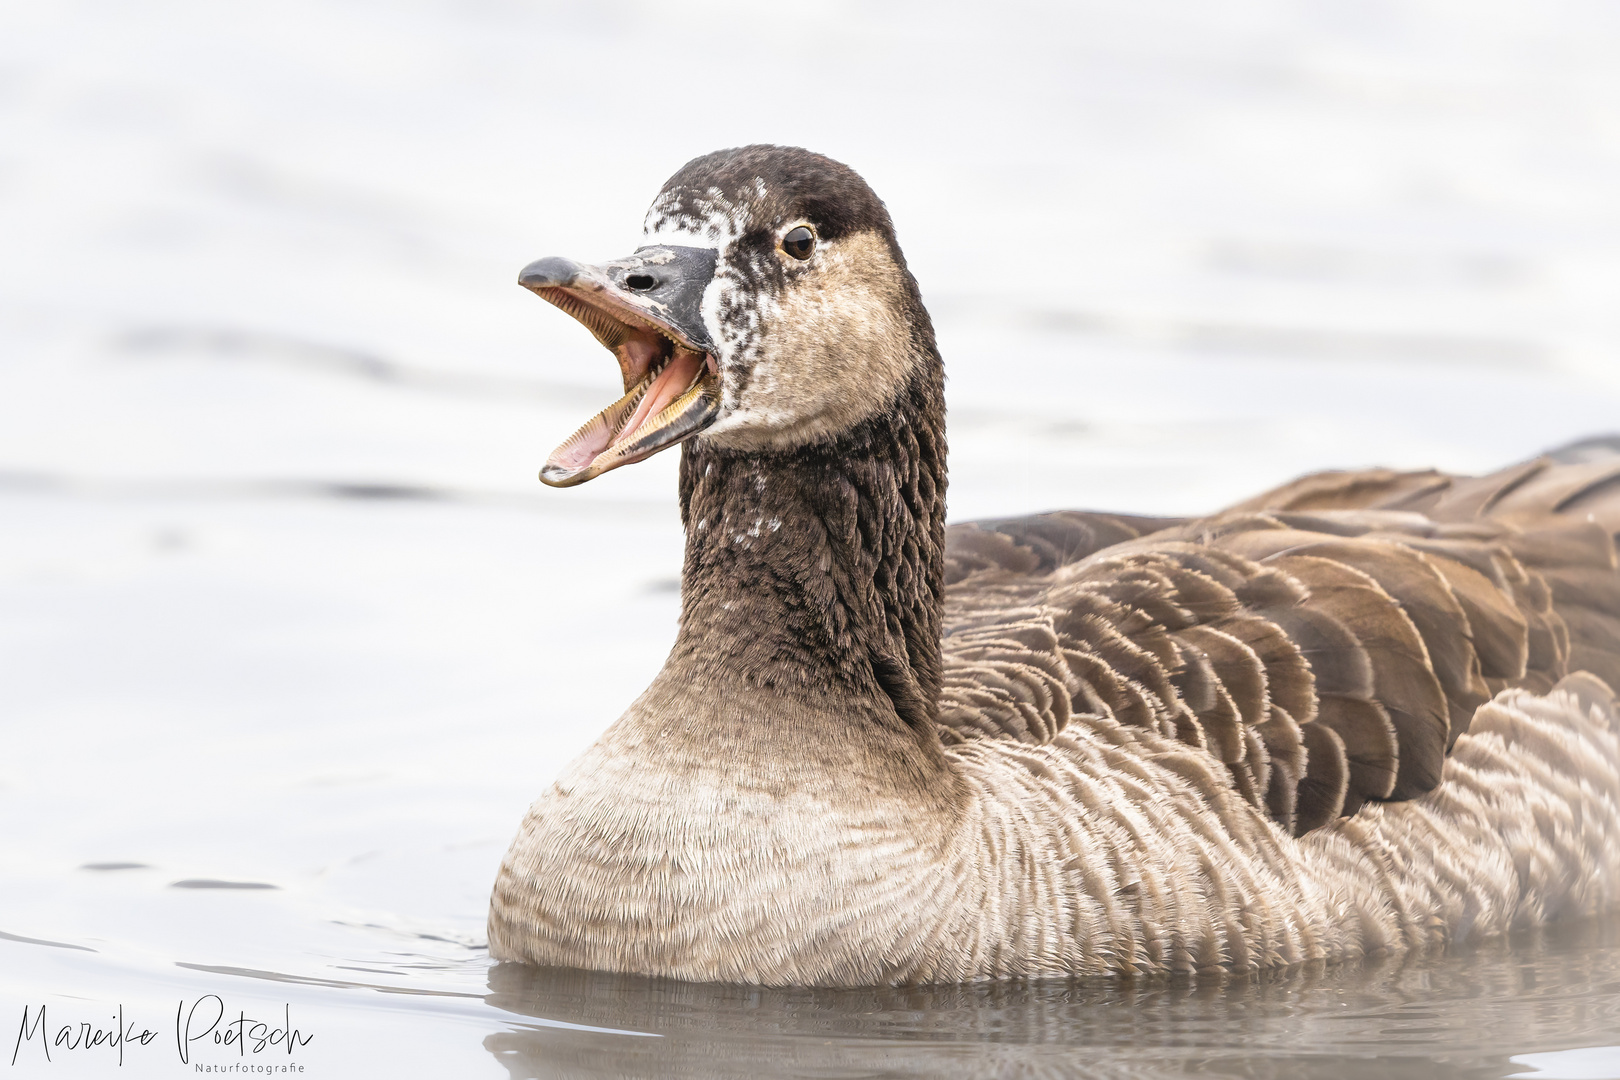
point(818, 573)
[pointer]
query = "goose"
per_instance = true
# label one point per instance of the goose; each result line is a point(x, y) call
point(1368, 711)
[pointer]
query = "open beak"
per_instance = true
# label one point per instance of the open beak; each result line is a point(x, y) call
point(647, 310)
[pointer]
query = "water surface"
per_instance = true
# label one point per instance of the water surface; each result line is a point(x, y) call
point(1469, 1012)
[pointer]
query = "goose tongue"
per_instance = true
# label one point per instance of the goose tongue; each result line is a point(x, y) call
point(677, 376)
point(668, 404)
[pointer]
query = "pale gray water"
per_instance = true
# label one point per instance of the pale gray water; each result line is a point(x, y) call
point(1509, 1009)
point(281, 603)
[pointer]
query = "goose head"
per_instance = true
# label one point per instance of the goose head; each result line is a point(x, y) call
point(769, 308)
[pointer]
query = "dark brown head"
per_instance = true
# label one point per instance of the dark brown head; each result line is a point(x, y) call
point(769, 310)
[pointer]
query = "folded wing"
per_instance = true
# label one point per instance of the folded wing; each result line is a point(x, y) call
point(1327, 642)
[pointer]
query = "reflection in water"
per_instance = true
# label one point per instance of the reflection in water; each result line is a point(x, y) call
point(1463, 1013)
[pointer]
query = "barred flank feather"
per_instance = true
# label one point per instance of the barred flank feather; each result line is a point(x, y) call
point(1328, 642)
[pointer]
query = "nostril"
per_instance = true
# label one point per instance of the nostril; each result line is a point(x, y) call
point(640, 282)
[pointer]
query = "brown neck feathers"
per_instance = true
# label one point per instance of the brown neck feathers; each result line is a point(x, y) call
point(817, 572)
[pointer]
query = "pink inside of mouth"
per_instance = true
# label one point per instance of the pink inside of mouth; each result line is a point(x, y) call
point(640, 351)
point(676, 377)
point(599, 437)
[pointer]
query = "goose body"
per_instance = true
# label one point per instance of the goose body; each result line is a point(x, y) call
point(1366, 711)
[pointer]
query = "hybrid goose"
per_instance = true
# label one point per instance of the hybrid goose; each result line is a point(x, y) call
point(1366, 711)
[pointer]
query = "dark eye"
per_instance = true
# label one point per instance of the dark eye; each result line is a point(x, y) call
point(799, 242)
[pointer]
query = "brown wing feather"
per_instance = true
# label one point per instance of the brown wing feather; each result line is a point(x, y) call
point(1501, 636)
point(1338, 663)
point(1371, 745)
point(1326, 641)
point(1403, 682)
point(1039, 543)
point(1322, 790)
point(1285, 751)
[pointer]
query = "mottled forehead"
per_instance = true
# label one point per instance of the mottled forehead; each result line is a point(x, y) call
point(732, 194)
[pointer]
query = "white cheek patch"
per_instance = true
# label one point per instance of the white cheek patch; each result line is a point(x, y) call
point(709, 309)
point(734, 313)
